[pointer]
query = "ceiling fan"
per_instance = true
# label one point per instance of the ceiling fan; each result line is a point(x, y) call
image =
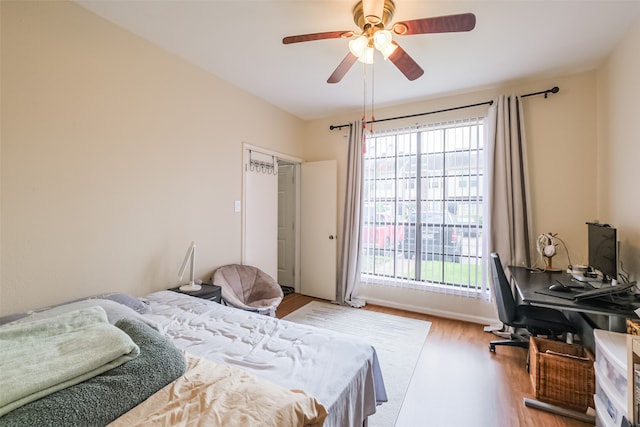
point(372, 16)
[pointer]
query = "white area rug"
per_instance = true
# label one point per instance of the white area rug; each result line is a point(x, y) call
point(397, 340)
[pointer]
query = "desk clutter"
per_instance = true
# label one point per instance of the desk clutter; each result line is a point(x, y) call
point(576, 291)
point(533, 288)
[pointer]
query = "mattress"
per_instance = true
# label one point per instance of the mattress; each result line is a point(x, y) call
point(339, 370)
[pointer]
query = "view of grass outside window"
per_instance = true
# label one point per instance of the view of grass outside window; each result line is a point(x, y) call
point(423, 212)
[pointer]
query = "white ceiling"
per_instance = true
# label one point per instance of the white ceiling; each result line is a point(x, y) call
point(240, 41)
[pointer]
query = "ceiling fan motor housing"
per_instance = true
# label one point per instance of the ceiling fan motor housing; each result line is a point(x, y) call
point(388, 9)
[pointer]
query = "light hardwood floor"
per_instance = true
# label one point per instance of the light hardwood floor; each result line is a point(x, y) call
point(458, 381)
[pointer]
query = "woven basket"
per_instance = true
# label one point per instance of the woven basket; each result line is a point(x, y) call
point(562, 374)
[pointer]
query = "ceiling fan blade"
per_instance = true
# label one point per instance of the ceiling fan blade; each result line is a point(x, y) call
point(438, 24)
point(317, 36)
point(342, 68)
point(405, 63)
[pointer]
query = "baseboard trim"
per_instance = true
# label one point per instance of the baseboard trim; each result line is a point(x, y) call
point(439, 313)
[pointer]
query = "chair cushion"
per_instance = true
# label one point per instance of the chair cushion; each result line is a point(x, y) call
point(266, 302)
point(537, 318)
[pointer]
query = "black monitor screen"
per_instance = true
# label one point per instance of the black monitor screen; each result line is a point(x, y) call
point(603, 244)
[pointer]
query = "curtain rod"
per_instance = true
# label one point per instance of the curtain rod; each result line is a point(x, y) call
point(546, 93)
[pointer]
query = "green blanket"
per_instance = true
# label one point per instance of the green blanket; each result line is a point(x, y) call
point(103, 398)
point(40, 357)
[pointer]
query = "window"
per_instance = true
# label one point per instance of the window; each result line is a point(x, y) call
point(423, 212)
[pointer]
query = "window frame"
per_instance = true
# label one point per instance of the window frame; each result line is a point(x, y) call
point(406, 152)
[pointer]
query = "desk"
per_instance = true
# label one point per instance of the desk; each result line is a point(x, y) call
point(527, 282)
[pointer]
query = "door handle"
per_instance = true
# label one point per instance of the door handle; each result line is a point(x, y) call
point(331, 237)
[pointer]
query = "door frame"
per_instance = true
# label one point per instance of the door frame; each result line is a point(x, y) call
point(280, 156)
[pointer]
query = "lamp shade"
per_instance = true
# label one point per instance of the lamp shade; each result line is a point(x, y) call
point(382, 39)
point(367, 55)
point(358, 45)
point(388, 50)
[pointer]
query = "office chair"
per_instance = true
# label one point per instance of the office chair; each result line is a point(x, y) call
point(536, 320)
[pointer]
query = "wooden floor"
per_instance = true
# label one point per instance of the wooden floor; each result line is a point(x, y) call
point(458, 381)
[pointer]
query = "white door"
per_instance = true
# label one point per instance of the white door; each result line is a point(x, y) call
point(318, 239)
point(286, 224)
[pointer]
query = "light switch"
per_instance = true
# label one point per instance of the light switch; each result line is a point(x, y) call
point(236, 205)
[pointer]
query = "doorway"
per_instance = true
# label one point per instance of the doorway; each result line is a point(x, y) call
point(271, 215)
point(287, 223)
point(297, 253)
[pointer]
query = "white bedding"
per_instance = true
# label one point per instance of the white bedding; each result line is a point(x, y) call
point(341, 371)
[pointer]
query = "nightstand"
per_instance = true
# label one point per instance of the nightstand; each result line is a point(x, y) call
point(208, 292)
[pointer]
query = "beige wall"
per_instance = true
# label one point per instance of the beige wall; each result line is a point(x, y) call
point(561, 137)
point(115, 155)
point(619, 147)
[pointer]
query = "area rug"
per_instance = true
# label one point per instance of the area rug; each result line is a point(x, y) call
point(398, 342)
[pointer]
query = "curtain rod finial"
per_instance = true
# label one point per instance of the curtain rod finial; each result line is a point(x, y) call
point(554, 89)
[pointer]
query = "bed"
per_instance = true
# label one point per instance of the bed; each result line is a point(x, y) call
point(287, 373)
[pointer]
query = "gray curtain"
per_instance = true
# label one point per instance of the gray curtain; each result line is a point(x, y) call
point(508, 204)
point(349, 268)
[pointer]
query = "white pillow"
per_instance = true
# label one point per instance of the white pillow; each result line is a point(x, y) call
point(124, 299)
point(115, 311)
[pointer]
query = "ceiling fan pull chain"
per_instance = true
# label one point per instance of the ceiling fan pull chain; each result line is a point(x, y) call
point(364, 108)
point(373, 80)
point(364, 96)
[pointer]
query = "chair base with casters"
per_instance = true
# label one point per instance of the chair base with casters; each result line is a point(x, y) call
point(537, 321)
point(248, 288)
point(515, 340)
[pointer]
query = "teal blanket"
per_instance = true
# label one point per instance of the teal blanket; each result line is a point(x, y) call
point(105, 397)
point(40, 357)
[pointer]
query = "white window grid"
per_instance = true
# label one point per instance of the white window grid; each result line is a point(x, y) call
point(435, 171)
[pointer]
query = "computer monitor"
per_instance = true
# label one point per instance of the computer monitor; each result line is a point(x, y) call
point(603, 250)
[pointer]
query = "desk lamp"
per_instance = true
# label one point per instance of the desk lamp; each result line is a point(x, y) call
point(190, 255)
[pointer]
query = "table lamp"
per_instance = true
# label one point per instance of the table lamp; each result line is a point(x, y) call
point(190, 255)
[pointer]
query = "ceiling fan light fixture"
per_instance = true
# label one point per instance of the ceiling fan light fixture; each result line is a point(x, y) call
point(388, 50)
point(382, 39)
point(372, 17)
point(358, 45)
point(367, 55)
